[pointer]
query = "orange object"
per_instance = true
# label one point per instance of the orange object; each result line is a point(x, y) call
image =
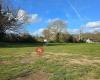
point(39, 51)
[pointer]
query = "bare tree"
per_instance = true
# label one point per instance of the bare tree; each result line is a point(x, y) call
point(56, 29)
point(46, 34)
point(8, 21)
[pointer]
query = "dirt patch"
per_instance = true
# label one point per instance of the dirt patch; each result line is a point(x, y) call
point(66, 58)
point(40, 75)
point(6, 62)
point(84, 61)
point(59, 58)
point(28, 59)
point(72, 59)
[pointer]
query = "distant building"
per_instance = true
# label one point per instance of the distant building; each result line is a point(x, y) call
point(45, 41)
point(89, 41)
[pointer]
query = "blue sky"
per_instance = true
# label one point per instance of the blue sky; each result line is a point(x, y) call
point(76, 12)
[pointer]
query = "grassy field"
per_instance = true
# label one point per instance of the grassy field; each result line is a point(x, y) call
point(60, 61)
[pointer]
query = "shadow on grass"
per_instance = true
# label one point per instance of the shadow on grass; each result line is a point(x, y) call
point(18, 45)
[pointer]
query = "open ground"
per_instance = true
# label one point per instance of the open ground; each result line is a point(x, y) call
point(60, 61)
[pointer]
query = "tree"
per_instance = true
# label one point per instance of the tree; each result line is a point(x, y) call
point(8, 21)
point(81, 33)
point(56, 29)
point(46, 34)
point(93, 36)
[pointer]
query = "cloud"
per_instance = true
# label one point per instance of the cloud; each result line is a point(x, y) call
point(38, 32)
point(73, 31)
point(95, 24)
point(33, 18)
point(52, 20)
point(23, 17)
point(94, 30)
point(55, 19)
point(93, 27)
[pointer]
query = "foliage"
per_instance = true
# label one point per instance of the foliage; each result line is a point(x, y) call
point(55, 30)
point(8, 21)
point(23, 38)
point(93, 36)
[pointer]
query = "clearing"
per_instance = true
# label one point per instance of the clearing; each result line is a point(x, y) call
point(64, 61)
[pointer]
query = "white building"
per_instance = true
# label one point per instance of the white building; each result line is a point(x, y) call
point(89, 41)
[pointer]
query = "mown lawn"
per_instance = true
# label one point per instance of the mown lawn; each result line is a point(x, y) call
point(61, 61)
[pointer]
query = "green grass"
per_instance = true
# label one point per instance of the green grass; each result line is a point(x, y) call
point(76, 48)
point(64, 61)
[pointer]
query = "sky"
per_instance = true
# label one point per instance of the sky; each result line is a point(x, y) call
point(77, 13)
